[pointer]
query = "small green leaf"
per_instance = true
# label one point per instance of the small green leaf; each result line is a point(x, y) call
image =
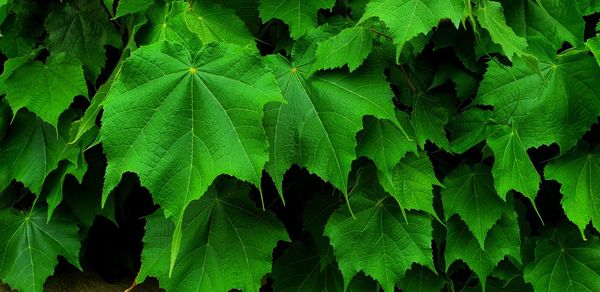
point(469, 192)
point(377, 240)
point(503, 240)
point(351, 46)
point(491, 17)
point(82, 29)
point(299, 15)
point(227, 243)
point(29, 247)
point(565, 263)
point(512, 170)
point(413, 179)
point(46, 89)
point(578, 173)
point(409, 18)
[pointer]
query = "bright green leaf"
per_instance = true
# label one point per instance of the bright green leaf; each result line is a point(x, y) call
point(491, 17)
point(351, 46)
point(578, 174)
point(313, 128)
point(557, 107)
point(46, 89)
point(409, 18)
point(179, 119)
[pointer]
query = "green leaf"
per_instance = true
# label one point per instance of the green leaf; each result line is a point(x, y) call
point(469, 128)
point(409, 18)
point(512, 170)
point(491, 17)
point(383, 143)
point(299, 269)
point(429, 119)
point(82, 29)
point(313, 129)
point(377, 240)
point(594, 45)
point(29, 247)
point(557, 107)
point(469, 192)
point(46, 89)
point(299, 15)
point(565, 263)
point(421, 279)
point(213, 22)
point(132, 6)
point(503, 240)
point(546, 24)
point(413, 179)
point(351, 46)
point(227, 243)
point(29, 152)
point(202, 112)
point(578, 173)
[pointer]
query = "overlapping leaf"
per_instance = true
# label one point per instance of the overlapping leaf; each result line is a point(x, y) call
point(227, 243)
point(409, 18)
point(578, 174)
point(299, 15)
point(29, 247)
point(82, 29)
point(565, 263)
point(377, 240)
point(313, 128)
point(469, 192)
point(556, 107)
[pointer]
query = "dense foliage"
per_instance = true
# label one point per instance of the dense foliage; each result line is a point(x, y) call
point(309, 145)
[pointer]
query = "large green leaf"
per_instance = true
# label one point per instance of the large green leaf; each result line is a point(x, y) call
point(29, 247)
point(180, 118)
point(469, 128)
point(46, 89)
point(469, 192)
point(313, 128)
point(377, 240)
point(557, 107)
point(503, 240)
point(409, 18)
point(565, 263)
point(578, 174)
point(299, 15)
point(82, 29)
point(227, 243)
